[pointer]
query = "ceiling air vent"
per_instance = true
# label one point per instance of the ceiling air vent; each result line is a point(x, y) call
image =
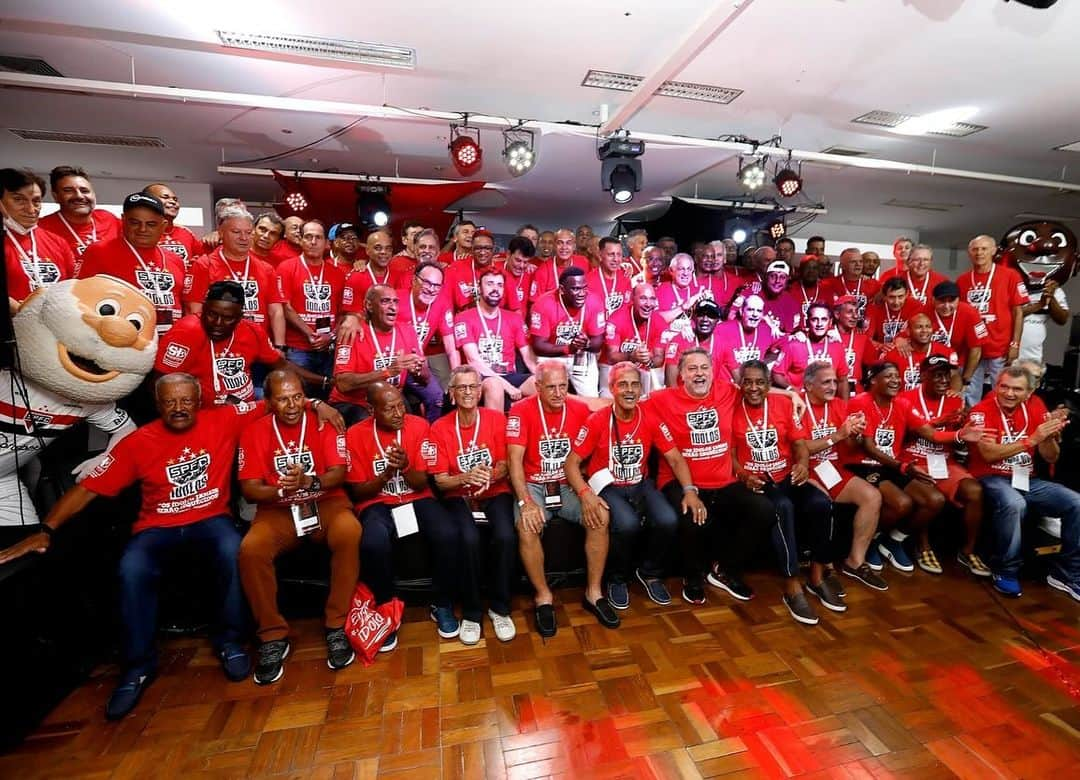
point(131, 141)
point(922, 205)
point(844, 151)
point(32, 65)
point(893, 120)
point(626, 82)
point(339, 49)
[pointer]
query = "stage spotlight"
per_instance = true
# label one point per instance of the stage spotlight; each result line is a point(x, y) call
point(519, 151)
point(620, 170)
point(788, 183)
point(752, 174)
point(777, 230)
point(738, 235)
point(296, 201)
point(465, 151)
point(373, 204)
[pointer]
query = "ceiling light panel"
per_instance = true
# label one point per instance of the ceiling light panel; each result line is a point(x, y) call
point(131, 141)
point(685, 90)
point(338, 49)
point(892, 120)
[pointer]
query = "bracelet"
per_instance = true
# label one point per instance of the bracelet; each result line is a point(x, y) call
point(1014, 344)
point(956, 436)
point(690, 489)
point(280, 347)
point(325, 382)
point(48, 530)
point(581, 493)
point(315, 403)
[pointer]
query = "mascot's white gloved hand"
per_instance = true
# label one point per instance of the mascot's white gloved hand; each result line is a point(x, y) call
point(83, 469)
point(834, 334)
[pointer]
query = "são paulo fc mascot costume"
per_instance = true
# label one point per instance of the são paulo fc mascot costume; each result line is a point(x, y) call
point(81, 345)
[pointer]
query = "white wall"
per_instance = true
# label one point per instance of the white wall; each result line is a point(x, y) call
point(196, 199)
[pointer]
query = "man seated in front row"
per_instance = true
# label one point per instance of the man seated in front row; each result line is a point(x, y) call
point(1003, 462)
point(612, 447)
point(294, 473)
point(539, 432)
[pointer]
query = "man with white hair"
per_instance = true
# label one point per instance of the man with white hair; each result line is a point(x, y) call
point(461, 248)
point(677, 297)
point(233, 260)
point(920, 277)
point(749, 337)
point(999, 295)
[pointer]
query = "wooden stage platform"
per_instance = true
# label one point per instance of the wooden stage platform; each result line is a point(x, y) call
point(935, 678)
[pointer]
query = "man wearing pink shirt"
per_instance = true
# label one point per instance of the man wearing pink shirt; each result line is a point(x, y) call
point(634, 334)
point(750, 337)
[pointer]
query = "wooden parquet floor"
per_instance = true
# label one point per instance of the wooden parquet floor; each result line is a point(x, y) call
point(932, 679)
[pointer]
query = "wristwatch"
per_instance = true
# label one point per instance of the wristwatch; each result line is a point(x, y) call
point(48, 530)
point(280, 492)
point(315, 486)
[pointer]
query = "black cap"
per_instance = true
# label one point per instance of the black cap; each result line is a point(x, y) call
point(937, 363)
point(946, 289)
point(140, 200)
point(706, 307)
point(874, 369)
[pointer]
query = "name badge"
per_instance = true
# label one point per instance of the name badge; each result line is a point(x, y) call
point(1021, 478)
point(937, 466)
point(305, 517)
point(828, 474)
point(552, 495)
point(600, 480)
point(404, 520)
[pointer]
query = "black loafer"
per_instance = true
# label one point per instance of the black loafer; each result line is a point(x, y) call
point(545, 620)
point(603, 611)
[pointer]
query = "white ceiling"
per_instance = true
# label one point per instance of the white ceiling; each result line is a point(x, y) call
point(807, 67)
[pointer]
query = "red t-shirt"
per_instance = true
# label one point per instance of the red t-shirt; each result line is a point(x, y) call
point(803, 297)
point(258, 278)
point(402, 266)
point(357, 283)
point(432, 324)
point(545, 435)
point(314, 293)
point(764, 444)
point(37, 259)
point(1006, 428)
point(185, 476)
point(373, 350)
point(546, 277)
point(669, 296)
point(961, 332)
point(994, 295)
point(447, 259)
point(681, 342)
point(820, 422)
point(784, 310)
point(623, 333)
point(157, 273)
point(614, 292)
point(720, 286)
point(884, 326)
point(552, 321)
point(497, 338)
point(701, 429)
point(885, 427)
point(182, 243)
point(460, 450)
point(103, 226)
point(628, 457)
point(911, 366)
point(187, 347)
point(923, 411)
point(367, 446)
point(858, 350)
point(281, 252)
point(797, 354)
point(516, 289)
point(921, 290)
point(862, 290)
point(736, 346)
point(263, 455)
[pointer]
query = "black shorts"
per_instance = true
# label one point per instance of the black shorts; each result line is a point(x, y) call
point(516, 378)
point(875, 474)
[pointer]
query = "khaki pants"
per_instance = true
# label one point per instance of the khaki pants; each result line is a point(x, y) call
point(273, 533)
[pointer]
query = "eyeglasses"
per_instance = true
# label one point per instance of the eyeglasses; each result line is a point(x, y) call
point(425, 284)
point(466, 388)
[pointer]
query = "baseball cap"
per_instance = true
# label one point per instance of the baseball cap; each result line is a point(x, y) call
point(936, 363)
point(778, 267)
point(140, 200)
point(946, 289)
point(845, 299)
point(707, 308)
point(874, 369)
point(809, 259)
point(340, 228)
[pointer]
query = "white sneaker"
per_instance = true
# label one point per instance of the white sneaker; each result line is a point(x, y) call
point(470, 632)
point(505, 630)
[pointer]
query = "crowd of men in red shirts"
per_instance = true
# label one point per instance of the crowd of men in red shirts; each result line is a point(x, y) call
point(440, 389)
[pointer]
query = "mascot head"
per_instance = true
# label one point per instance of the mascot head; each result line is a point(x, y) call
point(1040, 251)
point(89, 340)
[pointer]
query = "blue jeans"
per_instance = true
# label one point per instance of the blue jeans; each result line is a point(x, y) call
point(140, 571)
point(628, 504)
point(431, 395)
point(986, 371)
point(1009, 506)
point(319, 362)
point(814, 511)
